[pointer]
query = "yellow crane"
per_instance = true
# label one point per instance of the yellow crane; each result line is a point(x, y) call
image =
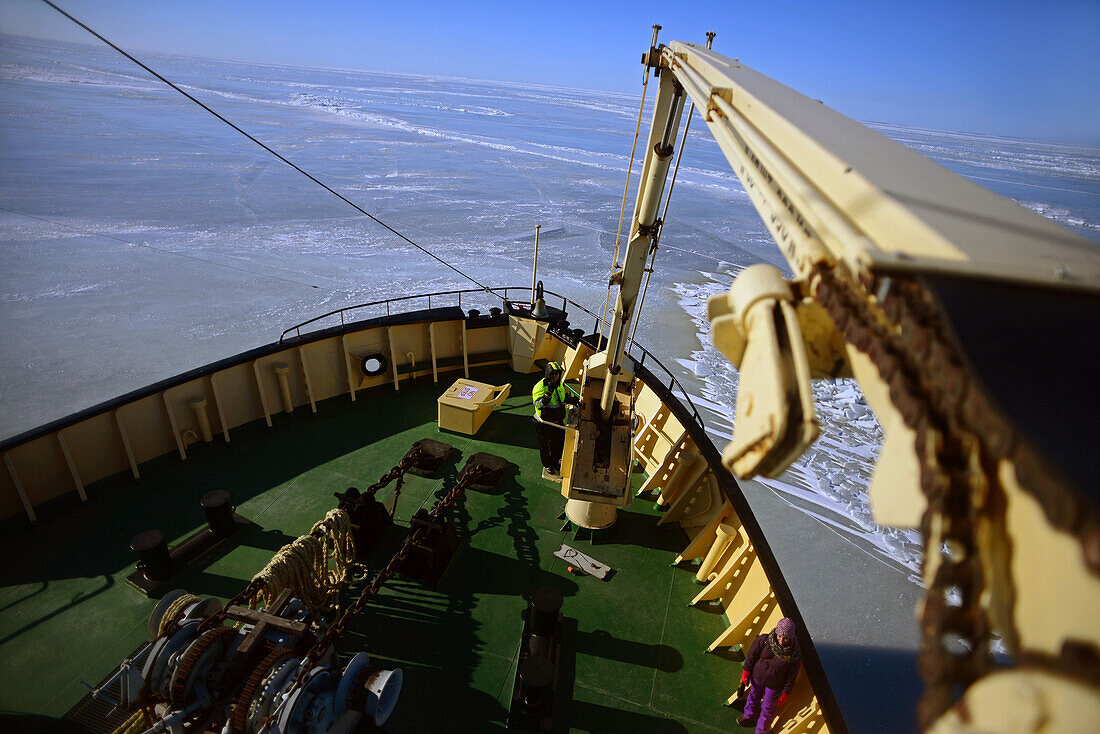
point(971, 326)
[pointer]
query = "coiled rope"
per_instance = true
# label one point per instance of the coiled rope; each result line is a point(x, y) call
point(313, 566)
point(133, 725)
point(137, 723)
point(174, 610)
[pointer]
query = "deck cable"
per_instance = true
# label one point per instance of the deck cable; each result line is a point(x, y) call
point(273, 152)
point(626, 189)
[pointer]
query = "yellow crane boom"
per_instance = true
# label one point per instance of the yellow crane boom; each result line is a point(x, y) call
point(970, 324)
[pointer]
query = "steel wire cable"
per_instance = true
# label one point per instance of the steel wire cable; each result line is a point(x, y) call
point(661, 229)
point(626, 189)
point(272, 151)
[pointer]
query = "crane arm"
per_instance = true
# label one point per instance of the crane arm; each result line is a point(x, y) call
point(831, 189)
point(970, 324)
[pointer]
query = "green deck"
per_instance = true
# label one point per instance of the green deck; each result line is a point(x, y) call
point(634, 656)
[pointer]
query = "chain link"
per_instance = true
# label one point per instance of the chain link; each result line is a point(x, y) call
point(324, 641)
point(218, 618)
point(255, 585)
point(337, 628)
point(396, 496)
point(905, 338)
point(397, 472)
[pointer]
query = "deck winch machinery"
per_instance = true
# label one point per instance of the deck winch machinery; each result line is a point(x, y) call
point(236, 669)
point(250, 679)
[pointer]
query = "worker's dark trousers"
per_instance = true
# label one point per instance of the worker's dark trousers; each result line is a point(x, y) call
point(551, 442)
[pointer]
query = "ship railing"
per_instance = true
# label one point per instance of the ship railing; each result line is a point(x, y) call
point(477, 297)
point(440, 298)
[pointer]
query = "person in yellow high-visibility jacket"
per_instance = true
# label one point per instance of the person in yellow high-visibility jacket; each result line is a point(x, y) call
point(549, 397)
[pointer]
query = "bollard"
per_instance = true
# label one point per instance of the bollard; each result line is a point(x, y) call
point(725, 536)
point(536, 675)
point(198, 407)
point(281, 371)
point(153, 557)
point(219, 513)
point(545, 604)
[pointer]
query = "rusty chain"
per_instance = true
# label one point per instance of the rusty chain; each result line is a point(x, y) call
point(324, 641)
point(255, 586)
point(396, 496)
point(240, 599)
point(337, 628)
point(397, 472)
point(958, 440)
point(249, 592)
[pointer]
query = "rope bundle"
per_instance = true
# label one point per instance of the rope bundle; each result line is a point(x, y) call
point(174, 610)
point(313, 567)
point(133, 725)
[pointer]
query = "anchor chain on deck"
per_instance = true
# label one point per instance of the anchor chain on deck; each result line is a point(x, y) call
point(336, 629)
point(249, 595)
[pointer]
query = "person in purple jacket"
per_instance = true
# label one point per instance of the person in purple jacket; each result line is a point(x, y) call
point(770, 670)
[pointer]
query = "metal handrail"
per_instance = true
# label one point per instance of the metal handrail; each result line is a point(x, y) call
point(297, 328)
point(673, 384)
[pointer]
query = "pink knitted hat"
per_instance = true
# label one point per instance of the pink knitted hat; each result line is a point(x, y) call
point(785, 627)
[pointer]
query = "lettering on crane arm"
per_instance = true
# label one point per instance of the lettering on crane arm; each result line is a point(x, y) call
point(778, 224)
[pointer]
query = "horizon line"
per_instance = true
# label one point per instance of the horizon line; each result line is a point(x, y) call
point(94, 44)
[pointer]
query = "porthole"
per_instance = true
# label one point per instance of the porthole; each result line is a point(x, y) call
point(373, 365)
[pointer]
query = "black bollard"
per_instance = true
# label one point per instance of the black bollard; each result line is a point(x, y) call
point(536, 675)
point(545, 605)
point(219, 513)
point(369, 519)
point(153, 557)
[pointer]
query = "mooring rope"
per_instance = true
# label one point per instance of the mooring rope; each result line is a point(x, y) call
point(173, 611)
point(133, 725)
point(303, 566)
point(338, 544)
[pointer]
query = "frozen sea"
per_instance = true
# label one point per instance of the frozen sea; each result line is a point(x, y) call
point(140, 238)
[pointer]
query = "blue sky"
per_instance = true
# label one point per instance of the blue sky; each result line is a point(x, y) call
point(1026, 69)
